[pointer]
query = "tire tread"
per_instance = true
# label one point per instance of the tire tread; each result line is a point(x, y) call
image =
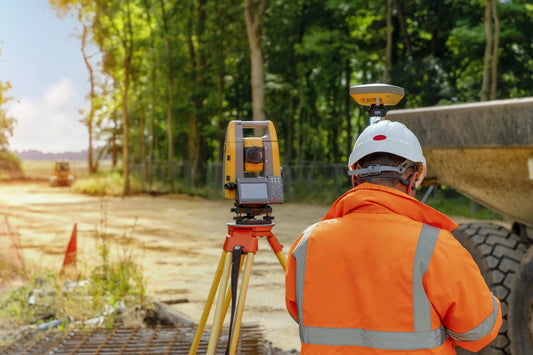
point(497, 251)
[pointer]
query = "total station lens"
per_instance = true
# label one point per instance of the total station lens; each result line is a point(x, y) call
point(253, 155)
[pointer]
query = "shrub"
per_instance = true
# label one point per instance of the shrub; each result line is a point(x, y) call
point(10, 165)
point(105, 184)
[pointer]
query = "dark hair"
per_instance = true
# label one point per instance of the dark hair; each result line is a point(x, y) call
point(383, 159)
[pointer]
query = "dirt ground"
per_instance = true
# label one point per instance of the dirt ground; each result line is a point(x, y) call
point(177, 239)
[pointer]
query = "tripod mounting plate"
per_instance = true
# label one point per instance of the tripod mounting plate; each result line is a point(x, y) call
point(246, 215)
point(376, 94)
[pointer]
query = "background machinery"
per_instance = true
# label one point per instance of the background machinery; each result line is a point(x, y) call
point(485, 151)
point(61, 174)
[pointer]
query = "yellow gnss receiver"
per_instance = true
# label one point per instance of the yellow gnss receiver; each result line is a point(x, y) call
point(252, 172)
point(376, 96)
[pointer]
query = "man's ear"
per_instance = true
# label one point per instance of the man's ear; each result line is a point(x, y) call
point(412, 181)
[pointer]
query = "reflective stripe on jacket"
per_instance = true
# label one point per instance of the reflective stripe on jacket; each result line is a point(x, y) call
point(382, 272)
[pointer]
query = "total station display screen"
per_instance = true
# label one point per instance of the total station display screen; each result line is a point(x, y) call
point(253, 192)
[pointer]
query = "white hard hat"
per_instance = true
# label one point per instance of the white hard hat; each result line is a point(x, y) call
point(389, 137)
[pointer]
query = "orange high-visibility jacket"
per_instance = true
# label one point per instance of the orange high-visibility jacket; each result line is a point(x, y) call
point(382, 274)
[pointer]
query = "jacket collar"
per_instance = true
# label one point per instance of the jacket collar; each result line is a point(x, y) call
point(372, 198)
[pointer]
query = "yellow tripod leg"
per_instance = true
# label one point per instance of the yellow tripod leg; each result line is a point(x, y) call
point(207, 307)
point(282, 260)
point(219, 316)
point(240, 303)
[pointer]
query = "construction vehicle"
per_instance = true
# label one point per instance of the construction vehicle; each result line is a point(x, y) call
point(485, 151)
point(61, 174)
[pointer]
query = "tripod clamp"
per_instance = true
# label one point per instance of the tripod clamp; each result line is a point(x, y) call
point(246, 237)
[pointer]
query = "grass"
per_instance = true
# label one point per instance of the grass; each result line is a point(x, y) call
point(44, 296)
point(451, 203)
point(40, 169)
point(92, 292)
point(105, 184)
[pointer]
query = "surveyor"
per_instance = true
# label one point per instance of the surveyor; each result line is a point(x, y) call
point(381, 273)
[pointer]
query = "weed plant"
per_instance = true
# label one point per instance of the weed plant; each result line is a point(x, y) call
point(89, 295)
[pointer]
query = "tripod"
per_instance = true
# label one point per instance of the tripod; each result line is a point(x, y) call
point(240, 235)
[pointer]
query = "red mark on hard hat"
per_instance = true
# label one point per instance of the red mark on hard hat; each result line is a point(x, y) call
point(380, 137)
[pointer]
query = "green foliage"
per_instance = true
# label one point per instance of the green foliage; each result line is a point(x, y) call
point(178, 71)
point(315, 191)
point(7, 123)
point(10, 165)
point(104, 184)
point(15, 304)
point(81, 295)
point(10, 161)
point(97, 289)
point(452, 203)
point(116, 282)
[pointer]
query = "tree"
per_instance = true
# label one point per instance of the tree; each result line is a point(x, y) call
point(114, 32)
point(490, 61)
point(92, 96)
point(487, 20)
point(495, 48)
point(388, 48)
point(253, 11)
point(170, 73)
point(83, 10)
point(7, 122)
point(183, 69)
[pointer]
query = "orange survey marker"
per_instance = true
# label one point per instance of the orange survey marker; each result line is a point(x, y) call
point(70, 254)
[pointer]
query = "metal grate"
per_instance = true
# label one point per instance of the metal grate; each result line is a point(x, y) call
point(158, 340)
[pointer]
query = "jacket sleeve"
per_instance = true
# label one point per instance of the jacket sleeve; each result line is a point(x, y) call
point(460, 296)
point(290, 282)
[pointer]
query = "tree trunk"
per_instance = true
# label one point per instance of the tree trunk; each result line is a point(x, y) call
point(485, 85)
point(170, 94)
point(150, 158)
point(289, 133)
point(142, 123)
point(388, 48)
point(90, 117)
point(495, 45)
point(252, 14)
point(125, 128)
point(150, 154)
point(403, 29)
point(347, 107)
point(292, 119)
point(198, 62)
point(128, 55)
point(114, 133)
point(221, 70)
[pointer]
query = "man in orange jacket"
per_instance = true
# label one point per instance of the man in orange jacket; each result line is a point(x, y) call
point(381, 273)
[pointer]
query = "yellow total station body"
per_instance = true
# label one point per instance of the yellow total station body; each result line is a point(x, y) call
point(251, 164)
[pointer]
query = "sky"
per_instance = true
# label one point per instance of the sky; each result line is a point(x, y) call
point(41, 58)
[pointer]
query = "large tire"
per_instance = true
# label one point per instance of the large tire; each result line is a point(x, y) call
point(521, 308)
point(497, 252)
